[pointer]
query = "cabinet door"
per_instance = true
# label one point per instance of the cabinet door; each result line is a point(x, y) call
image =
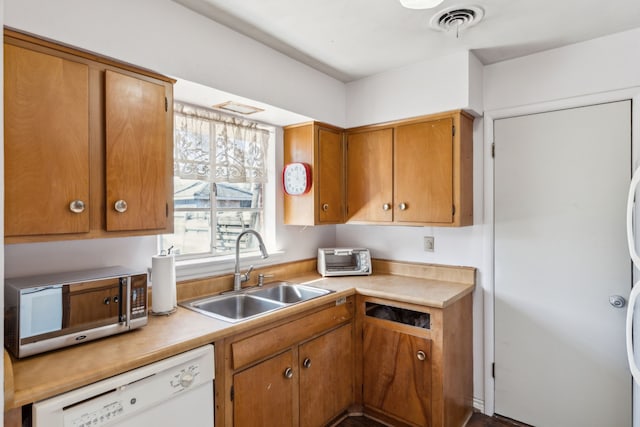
point(395, 379)
point(46, 113)
point(330, 176)
point(370, 176)
point(326, 377)
point(136, 153)
point(423, 172)
point(263, 394)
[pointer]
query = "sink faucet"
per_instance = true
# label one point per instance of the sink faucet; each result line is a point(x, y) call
point(239, 278)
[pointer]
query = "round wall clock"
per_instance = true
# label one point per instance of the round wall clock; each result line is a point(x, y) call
point(296, 178)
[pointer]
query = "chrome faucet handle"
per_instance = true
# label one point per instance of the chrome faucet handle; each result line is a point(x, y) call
point(245, 277)
point(261, 278)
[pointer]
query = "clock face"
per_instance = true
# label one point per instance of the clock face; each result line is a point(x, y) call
point(296, 178)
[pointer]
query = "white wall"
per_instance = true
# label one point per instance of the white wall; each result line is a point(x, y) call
point(426, 87)
point(595, 66)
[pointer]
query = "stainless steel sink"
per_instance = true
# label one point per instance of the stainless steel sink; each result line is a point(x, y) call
point(233, 308)
point(254, 302)
point(289, 293)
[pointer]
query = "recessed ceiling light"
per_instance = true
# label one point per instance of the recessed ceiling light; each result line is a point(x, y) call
point(420, 4)
point(238, 108)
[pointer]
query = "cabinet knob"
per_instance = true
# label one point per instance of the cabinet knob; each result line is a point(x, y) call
point(402, 206)
point(288, 373)
point(386, 207)
point(107, 301)
point(420, 355)
point(120, 206)
point(116, 299)
point(77, 206)
point(306, 363)
point(325, 207)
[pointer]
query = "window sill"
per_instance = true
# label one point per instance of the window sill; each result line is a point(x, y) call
point(214, 266)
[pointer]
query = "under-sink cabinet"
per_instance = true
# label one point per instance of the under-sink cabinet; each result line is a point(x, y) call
point(88, 144)
point(416, 362)
point(299, 372)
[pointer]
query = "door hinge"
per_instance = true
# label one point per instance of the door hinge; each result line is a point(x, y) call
point(453, 130)
point(493, 150)
point(493, 370)
point(166, 210)
point(166, 104)
point(232, 393)
point(453, 210)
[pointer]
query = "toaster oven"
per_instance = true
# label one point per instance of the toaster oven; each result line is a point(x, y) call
point(344, 261)
point(58, 310)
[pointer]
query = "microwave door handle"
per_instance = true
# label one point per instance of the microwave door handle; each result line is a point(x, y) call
point(125, 296)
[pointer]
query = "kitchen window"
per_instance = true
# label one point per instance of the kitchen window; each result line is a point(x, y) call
point(220, 175)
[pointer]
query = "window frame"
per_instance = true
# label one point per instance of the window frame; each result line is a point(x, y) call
point(200, 264)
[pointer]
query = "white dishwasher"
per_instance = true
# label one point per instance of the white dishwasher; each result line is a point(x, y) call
point(172, 392)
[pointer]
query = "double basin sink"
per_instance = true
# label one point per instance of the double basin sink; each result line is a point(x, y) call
point(253, 302)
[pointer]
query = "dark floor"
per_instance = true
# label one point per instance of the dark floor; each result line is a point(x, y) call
point(477, 420)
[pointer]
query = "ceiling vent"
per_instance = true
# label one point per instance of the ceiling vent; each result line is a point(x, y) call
point(235, 107)
point(456, 18)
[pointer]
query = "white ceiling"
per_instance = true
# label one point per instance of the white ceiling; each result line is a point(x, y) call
point(351, 39)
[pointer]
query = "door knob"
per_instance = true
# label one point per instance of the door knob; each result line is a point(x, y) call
point(306, 363)
point(617, 301)
point(288, 373)
point(77, 206)
point(120, 206)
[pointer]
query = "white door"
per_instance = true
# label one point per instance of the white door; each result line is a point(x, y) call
point(561, 181)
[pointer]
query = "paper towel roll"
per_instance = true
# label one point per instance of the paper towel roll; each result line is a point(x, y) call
point(163, 284)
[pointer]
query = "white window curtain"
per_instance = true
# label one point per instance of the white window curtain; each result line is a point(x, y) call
point(213, 147)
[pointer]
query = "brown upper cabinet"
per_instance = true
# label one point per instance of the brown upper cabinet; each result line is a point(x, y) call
point(88, 144)
point(412, 172)
point(322, 147)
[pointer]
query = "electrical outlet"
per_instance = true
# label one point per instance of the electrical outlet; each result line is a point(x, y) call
point(429, 244)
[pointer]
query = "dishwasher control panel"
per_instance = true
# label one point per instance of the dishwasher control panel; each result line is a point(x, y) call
point(132, 398)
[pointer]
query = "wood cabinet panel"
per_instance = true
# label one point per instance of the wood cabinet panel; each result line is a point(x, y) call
point(330, 180)
point(322, 147)
point(251, 349)
point(80, 127)
point(46, 108)
point(263, 395)
point(318, 346)
point(423, 172)
point(395, 380)
point(326, 376)
point(369, 176)
point(136, 153)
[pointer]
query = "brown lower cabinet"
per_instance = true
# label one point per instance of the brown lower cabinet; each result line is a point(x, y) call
point(417, 362)
point(401, 363)
point(397, 374)
point(296, 373)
